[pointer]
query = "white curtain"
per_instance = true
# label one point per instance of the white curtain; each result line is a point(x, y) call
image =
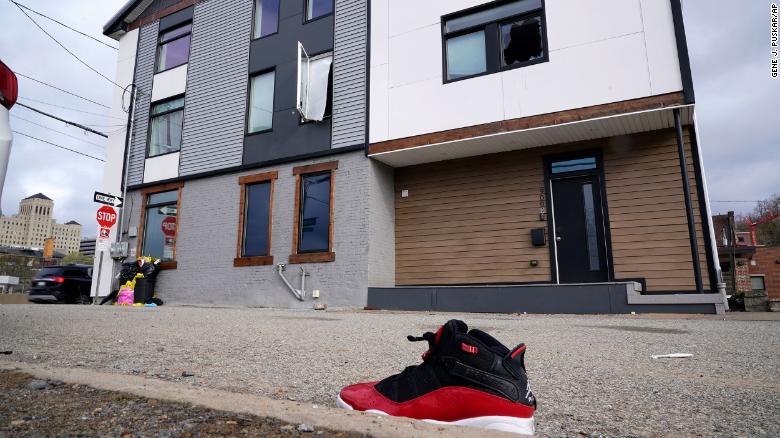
point(317, 99)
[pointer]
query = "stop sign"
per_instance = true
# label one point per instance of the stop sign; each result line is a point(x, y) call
point(106, 216)
point(169, 226)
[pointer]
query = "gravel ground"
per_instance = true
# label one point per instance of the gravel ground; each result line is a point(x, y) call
point(592, 375)
point(41, 408)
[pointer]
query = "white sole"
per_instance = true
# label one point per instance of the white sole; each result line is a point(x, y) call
point(523, 426)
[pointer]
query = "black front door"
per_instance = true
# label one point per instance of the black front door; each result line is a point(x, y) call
point(579, 230)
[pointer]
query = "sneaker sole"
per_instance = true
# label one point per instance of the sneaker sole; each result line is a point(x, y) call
point(523, 426)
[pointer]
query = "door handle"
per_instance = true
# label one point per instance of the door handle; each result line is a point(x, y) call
point(558, 239)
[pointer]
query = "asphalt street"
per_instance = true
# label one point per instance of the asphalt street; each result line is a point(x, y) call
point(592, 375)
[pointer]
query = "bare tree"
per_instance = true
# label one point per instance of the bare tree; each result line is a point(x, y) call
point(768, 233)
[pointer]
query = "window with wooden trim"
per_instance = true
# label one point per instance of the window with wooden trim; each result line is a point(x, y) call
point(255, 220)
point(313, 228)
point(159, 224)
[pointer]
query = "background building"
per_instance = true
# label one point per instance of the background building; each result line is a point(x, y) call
point(87, 246)
point(33, 224)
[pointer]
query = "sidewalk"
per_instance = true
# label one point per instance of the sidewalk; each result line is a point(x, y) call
point(591, 374)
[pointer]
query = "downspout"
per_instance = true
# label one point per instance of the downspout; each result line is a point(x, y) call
point(300, 294)
point(688, 204)
point(128, 143)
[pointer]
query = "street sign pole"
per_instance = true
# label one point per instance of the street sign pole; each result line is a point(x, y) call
point(106, 217)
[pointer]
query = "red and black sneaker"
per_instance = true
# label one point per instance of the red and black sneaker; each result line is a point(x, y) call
point(467, 378)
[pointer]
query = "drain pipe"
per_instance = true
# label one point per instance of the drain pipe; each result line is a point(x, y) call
point(300, 294)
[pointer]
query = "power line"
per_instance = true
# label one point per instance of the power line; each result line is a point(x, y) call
point(68, 122)
point(59, 146)
point(62, 24)
point(60, 89)
point(63, 47)
point(58, 132)
point(68, 108)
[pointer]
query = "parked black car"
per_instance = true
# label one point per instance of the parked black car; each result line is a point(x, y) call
point(62, 284)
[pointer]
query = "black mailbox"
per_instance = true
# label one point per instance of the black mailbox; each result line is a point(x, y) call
point(537, 237)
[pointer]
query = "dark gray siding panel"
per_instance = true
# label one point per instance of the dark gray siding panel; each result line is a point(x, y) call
point(147, 49)
point(214, 114)
point(349, 73)
point(279, 52)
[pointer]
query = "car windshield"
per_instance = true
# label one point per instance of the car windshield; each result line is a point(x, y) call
point(49, 272)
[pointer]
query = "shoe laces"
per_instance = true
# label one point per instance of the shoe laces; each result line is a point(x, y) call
point(426, 356)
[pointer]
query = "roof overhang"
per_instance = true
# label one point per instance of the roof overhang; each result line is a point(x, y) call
point(117, 25)
point(562, 128)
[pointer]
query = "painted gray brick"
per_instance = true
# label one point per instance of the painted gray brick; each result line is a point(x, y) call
point(208, 227)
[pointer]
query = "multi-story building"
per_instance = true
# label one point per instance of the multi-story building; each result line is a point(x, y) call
point(33, 224)
point(87, 246)
point(522, 155)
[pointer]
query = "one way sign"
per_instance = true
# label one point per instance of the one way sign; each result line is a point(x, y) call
point(105, 198)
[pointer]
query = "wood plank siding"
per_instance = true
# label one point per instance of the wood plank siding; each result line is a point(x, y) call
point(468, 221)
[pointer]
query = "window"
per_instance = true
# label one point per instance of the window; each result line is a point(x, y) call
point(757, 283)
point(313, 228)
point(174, 49)
point(318, 8)
point(159, 223)
point(166, 125)
point(580, 164)
point(493, 37)
point(315, 85)
point(261, 103)
point(254, 223)
point(266, 18)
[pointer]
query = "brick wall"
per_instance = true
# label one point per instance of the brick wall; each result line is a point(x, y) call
point(206, 243)
point(766, 263)
point(743, 275)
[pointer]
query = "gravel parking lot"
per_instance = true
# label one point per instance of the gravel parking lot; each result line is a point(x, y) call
point(592, 374)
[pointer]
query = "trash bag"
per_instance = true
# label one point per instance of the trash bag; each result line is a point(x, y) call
point(126, 295)
point(128, 272)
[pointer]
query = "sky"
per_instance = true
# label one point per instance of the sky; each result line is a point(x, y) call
point(737, 102)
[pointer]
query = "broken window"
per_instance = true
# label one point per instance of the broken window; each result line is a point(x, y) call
point(493, 37)
point(314, 85)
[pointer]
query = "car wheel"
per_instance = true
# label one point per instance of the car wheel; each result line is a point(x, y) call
point(83, 299)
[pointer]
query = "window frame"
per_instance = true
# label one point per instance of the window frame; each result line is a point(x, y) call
point(160, 44)
point(306, 6)
point(247, 132)
point(297, 257)
point(763, 281)
point(254, 24)
point(145, 193)
point(244, 182)
point(314, 57)
point(493, 42)
point(152, 116)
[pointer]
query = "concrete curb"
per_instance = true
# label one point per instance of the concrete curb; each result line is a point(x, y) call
point(287, 411)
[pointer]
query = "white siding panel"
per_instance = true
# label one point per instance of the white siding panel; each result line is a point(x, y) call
point(663, 62)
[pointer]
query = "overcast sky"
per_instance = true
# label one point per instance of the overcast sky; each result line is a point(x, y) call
point(737, 102)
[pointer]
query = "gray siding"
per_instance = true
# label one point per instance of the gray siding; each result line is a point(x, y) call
point(147, 48)
point(214, 113)
point(349, 73)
